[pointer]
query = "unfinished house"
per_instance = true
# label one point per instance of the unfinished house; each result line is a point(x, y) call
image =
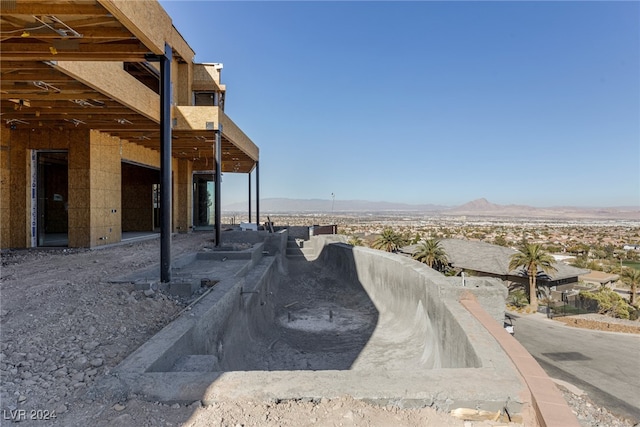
point(107, 123)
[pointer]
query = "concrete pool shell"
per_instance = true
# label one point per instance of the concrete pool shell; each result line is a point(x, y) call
point(339, 321)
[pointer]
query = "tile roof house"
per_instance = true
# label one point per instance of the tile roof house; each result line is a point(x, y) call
point(485, 259)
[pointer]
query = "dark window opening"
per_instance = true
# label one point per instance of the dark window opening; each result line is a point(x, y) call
point(208, 99)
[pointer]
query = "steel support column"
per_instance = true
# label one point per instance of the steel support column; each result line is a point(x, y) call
point(218, 182)
point(249, 197)
point(165, 164)
point(258, 194)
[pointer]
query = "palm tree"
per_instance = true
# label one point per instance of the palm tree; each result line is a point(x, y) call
point(431, 253)
point(632, 277)
point(389, 241)
point(533, 258)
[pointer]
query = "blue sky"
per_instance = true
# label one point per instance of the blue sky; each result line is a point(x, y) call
point(533, 103)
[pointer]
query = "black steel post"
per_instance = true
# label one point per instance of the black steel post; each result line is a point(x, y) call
point(218, 182)
point(258, 194)
point(249, 197)
point(165, 164)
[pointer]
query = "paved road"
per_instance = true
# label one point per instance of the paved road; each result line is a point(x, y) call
point(605, 365)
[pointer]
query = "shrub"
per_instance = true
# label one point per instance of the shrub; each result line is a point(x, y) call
point(609, 303)
point(518, 298)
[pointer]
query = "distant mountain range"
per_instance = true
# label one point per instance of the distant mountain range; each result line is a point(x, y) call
point(281, 205)
point(480, 207)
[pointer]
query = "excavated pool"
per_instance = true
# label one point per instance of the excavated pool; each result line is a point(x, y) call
point(340, 321)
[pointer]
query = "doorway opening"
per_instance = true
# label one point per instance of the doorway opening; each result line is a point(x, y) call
point(203, 201)
point(52, 193)
point(140, 203)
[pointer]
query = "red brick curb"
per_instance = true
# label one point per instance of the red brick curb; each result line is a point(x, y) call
point(550, 407)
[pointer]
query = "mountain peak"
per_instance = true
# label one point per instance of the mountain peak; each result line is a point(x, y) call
point(479, 204)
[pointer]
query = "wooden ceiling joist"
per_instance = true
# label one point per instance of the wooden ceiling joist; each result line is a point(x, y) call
point(54, 96)
point(48, 7)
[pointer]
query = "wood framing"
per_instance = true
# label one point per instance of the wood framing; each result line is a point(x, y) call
point(75, 75)
point(111, 78)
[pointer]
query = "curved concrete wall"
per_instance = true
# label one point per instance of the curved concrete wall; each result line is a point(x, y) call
point(418, 321)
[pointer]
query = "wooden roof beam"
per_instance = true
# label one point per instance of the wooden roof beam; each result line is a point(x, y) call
point(198, 118)
point(50, 8)
point(16, 24)
point(48, 76)
point(66, 96)
point(71, 46)
point(37, 86)
point(234, 134)
point(87, 34)
point(75, 56)
point(110, 78)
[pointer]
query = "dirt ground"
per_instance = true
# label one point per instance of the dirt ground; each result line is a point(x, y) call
point(63, 327)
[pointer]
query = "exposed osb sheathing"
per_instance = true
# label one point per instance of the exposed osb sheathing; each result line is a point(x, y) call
point(94, 190)
point(16, 177)
point(206, 77)
point(175, 208)
point(105, 188)
point(184, 92)
point(79, 189)
point(19, 168)
point(5, 186)
point(139, 154)
point(190, 117)
point(150, 23)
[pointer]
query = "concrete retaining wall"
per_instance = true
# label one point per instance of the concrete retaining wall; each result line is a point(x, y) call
point(299, 232)
point(246, 310)
point(201, 330)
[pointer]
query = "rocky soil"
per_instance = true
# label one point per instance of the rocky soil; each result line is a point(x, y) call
point(591, 415)
point(601, 323)
point(63, 326)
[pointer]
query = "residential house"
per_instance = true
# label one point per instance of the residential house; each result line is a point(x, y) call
point(484, 259)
